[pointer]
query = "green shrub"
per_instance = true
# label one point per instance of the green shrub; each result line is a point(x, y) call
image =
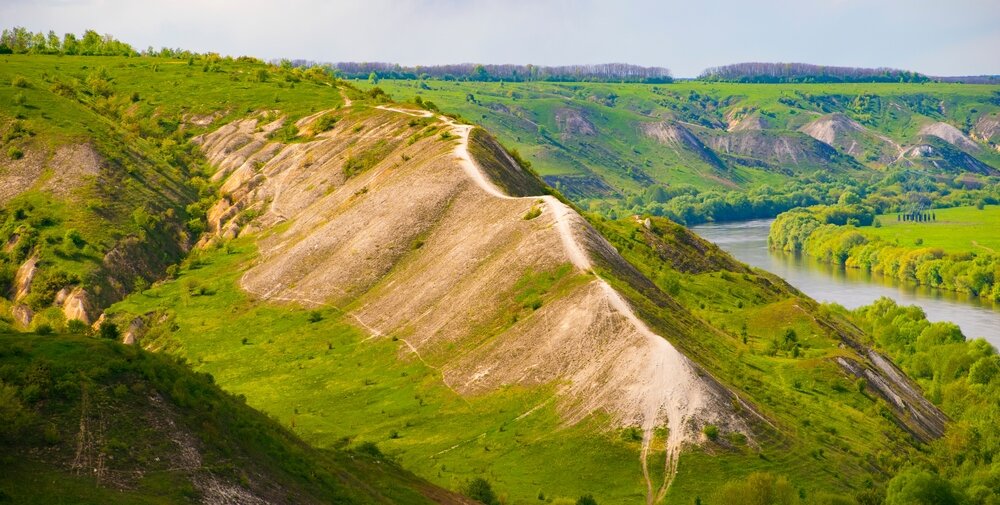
point(7, 275)
point(51, 434)
point(711, 431)
point(109, 330)
point(195, 288)
point(45, 286)
point(14, 418)
point(984, 370)
point(632, 434)
point(14, 153)
point(479, 489)
point(378, 94)
point(77, 326)
point(324, 123)
point(759, 488)
point(19, 81)
point(369, 448)
point(63, 89)
point(287, 133)
point(73, 236)
point(359, 163)
point(919, 487)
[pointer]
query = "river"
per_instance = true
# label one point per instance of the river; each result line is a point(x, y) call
point(747, 241)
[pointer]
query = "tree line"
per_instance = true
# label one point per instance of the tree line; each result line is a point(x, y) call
point(897, 192)
point(19, 40)
point(605, 72)
point(760, 72)
point(970, 79)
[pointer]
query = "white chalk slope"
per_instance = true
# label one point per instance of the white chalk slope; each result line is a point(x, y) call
point(424, 246)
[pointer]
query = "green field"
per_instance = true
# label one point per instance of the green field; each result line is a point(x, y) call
point(960, 229)
point(170, 93)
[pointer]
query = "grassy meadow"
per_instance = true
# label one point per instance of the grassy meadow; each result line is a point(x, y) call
point(955, 230)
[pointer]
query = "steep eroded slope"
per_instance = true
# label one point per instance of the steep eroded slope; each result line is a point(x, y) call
point(422, 245)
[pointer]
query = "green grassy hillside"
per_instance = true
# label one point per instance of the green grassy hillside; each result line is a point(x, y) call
point(317, 371)
point(84, 420)
point(319, 376)
point(100, 185)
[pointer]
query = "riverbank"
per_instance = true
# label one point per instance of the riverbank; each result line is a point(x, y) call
point(956, 251)
point(852, 288)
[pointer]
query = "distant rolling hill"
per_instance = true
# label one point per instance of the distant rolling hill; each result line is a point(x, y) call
point(600, 142)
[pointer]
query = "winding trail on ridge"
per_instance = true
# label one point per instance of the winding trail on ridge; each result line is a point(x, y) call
point(656, 384)
point(581, 260)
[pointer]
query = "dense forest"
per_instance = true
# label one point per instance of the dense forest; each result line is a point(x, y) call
point(960, 376)
point(758, 72)
point(606, 72)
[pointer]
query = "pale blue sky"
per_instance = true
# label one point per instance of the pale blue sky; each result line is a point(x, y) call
point(949, 37)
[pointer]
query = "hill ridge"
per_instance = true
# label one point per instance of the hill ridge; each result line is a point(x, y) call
point(638, 376)
point(580, 258)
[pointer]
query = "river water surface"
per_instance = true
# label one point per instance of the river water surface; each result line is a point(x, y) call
point(747, 241)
